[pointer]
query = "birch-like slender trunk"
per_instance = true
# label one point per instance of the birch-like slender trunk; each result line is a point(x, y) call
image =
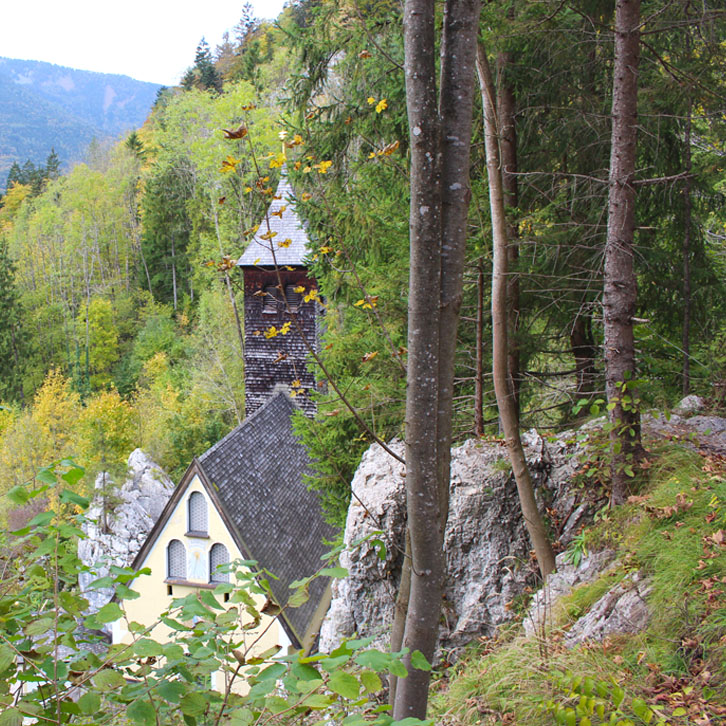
point(228, 285)
point(479, 382)
point(503, 387)
point(508, 157)
point(620, 288)
point(173, 271)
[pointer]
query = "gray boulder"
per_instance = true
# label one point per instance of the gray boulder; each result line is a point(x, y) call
point(487, 550)
point(114, 538)
point(623, 609)
point(561, 583)
point(690, 405)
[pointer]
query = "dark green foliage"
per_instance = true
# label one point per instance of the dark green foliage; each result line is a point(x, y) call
point(166, 231)
point(52, 166)
point(35, 177)
point(11, 334)
point(358, 219)
point(203, 74)
point(135, 145)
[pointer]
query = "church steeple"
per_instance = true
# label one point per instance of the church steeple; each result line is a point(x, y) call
point(277, 315)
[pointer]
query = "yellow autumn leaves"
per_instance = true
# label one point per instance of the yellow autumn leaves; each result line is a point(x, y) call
point(381, 105)
point(273, 332)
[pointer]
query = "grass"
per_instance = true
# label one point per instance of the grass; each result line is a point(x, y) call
point(674, 672)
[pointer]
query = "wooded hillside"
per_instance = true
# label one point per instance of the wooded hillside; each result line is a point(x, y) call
point(546, 176)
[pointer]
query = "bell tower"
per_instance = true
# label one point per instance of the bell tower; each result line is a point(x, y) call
point(281, 315)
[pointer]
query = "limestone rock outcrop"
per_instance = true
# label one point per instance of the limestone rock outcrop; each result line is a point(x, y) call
point(114, 538)
point(487, 550)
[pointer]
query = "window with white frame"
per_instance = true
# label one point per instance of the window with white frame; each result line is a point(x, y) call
point(197, 519)
point(176, 560)
point(218, 555)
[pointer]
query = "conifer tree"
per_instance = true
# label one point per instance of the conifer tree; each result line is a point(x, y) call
point(52, 166)
point(203, 74)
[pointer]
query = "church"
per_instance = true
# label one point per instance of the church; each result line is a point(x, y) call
point(245, 497)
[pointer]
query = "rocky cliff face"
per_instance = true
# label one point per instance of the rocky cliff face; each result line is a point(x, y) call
point(489, 563)
point(142, 498)
point(488, 556)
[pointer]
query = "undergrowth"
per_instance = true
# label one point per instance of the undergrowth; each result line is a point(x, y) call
point(674, 533)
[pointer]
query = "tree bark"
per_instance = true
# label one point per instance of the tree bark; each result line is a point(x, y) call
point(620, 288)
point(506, 109)
point(686, 254)
point(422, 465)
point(479, 382)
point(440, 139)
point(399, 615)
point(228, 285)
point(584, 350)
point(502, 380)
point(173, 270)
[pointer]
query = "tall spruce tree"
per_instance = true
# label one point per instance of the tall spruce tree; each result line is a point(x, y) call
point(203, 74)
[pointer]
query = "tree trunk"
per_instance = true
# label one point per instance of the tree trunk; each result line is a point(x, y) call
point(399, 615)
point(173, 270)
point(479, 382)
point(506, 108)
point(440, 140)
point(228, 284)
point(502, 380)
point(686, 254)
point(422, 489)
point(584, 350)
point(620, 289)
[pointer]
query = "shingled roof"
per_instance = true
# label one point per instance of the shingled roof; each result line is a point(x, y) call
point(254, 477)
point(257, 473)
point(284, 224)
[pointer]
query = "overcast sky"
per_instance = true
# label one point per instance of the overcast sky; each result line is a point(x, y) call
point(150, 40)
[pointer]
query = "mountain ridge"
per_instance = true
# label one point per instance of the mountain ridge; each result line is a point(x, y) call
point(44, 106)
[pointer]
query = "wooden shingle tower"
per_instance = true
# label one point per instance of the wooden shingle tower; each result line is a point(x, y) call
point(278, 319)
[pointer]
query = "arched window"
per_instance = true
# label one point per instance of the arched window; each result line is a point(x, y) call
point(218, 555)
point(197, 514)
point(176, 560)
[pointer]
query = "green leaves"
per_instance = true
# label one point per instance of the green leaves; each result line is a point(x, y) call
point(11, 717)
point(155, 682)
point(109, 613)
point(146, 647)
point(108, 679)
point(344, 684)
point(141, 713)
point(89, 702)
point(193, 704)
point(69, 497)
point(338, 572)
